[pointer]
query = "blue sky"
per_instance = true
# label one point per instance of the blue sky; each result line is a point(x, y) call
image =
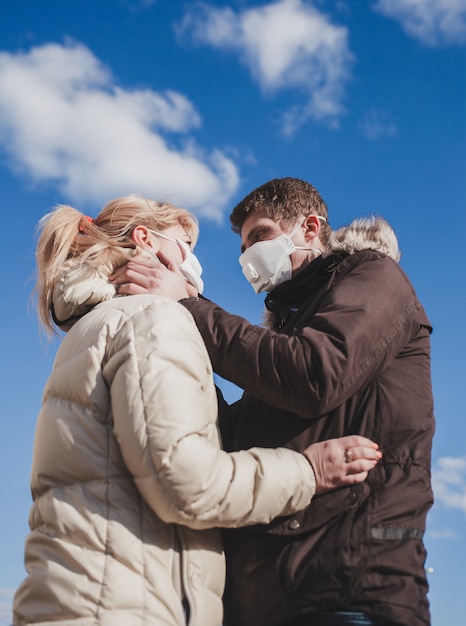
point(199, 103)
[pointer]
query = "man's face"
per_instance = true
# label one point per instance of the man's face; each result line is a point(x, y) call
point(259, 227)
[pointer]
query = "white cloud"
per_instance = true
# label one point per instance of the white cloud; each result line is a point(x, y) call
point(445, 533)
point(376, 124)
point(64, 120)
point(286, 45)
point(434, 22)
point(449, 481)
point(6, 602)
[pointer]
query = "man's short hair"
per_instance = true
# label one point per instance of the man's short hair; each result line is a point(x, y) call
point(284, 200)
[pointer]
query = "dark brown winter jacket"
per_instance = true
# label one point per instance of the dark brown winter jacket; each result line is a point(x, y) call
point(350, 353)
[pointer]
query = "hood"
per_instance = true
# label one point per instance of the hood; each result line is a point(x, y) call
point(78, 289)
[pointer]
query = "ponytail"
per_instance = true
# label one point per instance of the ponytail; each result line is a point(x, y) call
point(67, 237)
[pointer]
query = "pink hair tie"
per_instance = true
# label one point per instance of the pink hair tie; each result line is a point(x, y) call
point(89, 219)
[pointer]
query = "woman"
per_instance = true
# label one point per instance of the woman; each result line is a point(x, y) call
point(128, 478)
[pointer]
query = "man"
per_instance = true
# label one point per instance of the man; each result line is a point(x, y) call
point(347, 352)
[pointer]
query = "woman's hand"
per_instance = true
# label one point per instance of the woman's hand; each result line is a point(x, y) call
point(142, 275)
point(342, 462)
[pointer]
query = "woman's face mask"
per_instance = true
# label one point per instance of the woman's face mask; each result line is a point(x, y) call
point(190, 266)
point(267, 264)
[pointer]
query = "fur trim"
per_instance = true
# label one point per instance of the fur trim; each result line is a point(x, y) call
point(373, 232)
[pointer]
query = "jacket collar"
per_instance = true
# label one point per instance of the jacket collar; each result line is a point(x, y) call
point(77, 290)
point(291, 294)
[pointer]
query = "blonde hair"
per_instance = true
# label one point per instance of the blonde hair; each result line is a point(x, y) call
point(103, 243)
point(373, 232)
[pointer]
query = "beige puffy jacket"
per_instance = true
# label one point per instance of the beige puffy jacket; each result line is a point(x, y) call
point(128, 478)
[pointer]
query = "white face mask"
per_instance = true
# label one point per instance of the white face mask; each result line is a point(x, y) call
point(190, 267)
point(267, 264)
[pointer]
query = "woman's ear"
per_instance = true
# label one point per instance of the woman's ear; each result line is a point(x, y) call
point(142, 237)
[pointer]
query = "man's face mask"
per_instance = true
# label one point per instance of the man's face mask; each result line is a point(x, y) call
point(267, 264)
point(190, 267)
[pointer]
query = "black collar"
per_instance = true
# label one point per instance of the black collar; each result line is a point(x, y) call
point(290, 295)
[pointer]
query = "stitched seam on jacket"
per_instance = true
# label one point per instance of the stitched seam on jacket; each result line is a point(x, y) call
point(382, 345)
point(107, 515)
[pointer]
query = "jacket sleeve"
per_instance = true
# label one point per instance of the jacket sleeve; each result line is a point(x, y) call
point(164, 410)
point(362, 325)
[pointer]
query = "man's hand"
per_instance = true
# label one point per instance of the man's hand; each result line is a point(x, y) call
point(342, 462)
point(142, 275)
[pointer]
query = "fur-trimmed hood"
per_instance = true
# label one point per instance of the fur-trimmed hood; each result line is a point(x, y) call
point(78, 289)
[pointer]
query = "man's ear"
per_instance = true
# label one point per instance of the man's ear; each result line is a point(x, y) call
point(142, 238)
point(311, 227)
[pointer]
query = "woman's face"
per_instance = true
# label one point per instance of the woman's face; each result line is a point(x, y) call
point(169, 247)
